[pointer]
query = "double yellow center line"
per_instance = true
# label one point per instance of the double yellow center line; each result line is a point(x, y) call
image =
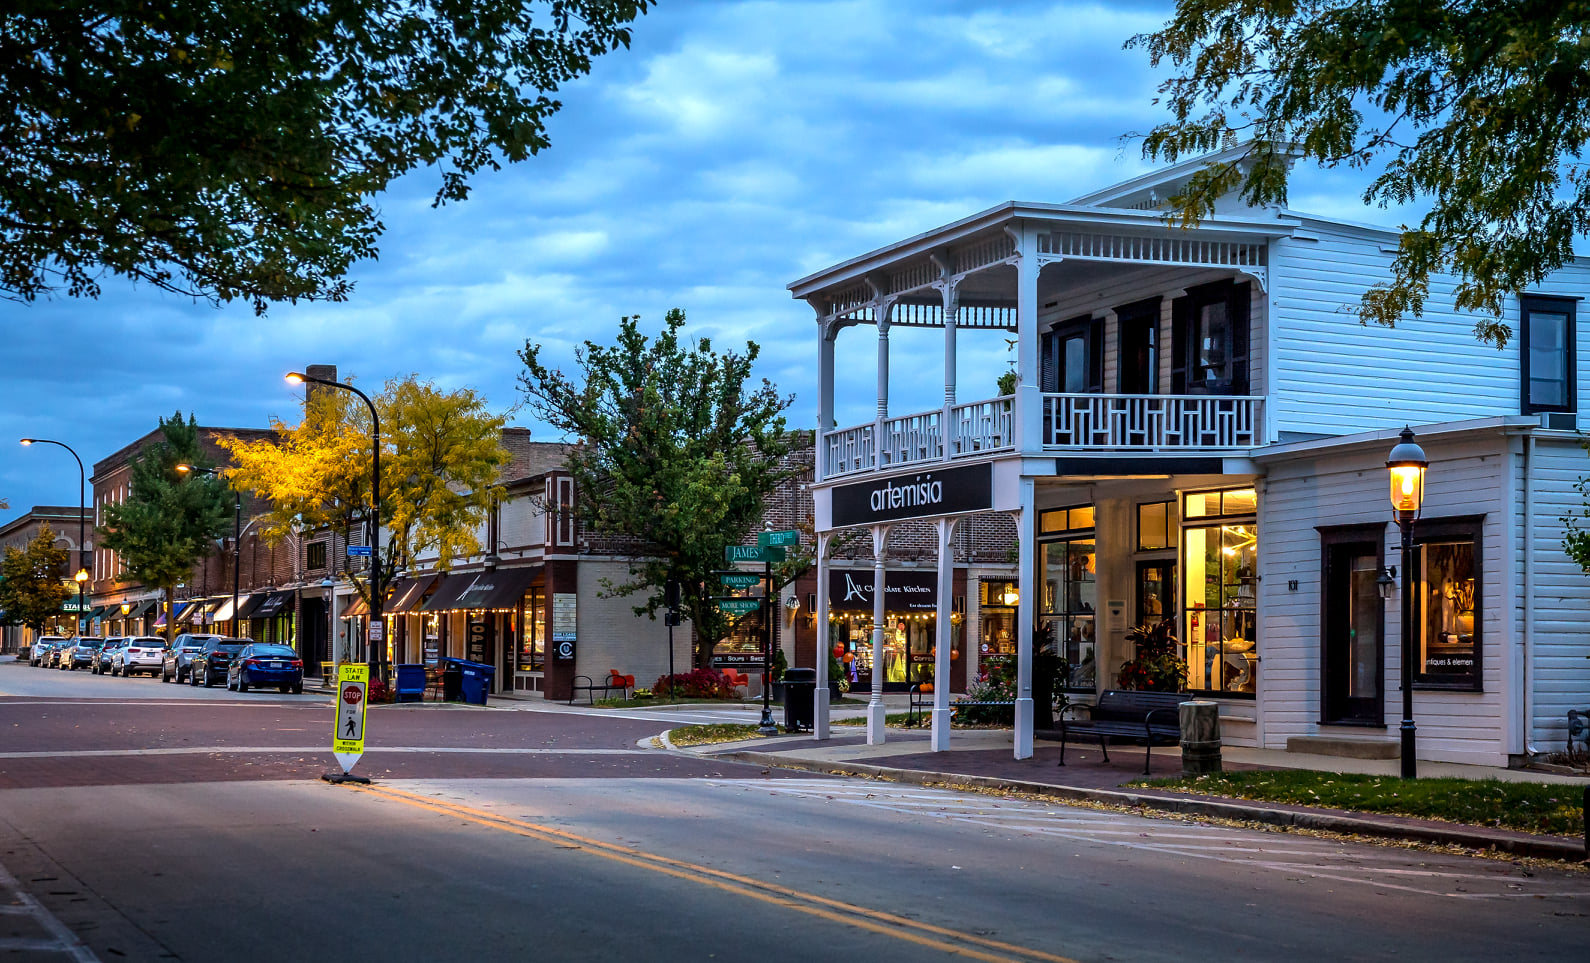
point(846, 914)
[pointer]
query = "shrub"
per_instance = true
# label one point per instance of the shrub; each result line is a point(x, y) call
point(378, 692)
point(696, 684)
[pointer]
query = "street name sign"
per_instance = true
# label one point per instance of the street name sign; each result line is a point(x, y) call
point(753, 553)
point(347, 740)
point(738, 606)
point(740, 579)
point(358, 551)
point(789, 538)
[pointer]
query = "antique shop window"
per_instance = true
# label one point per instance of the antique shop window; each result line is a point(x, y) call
point(1156, 526)
point(1068, 576)
point(997, 600)
point(1448, 608)
point(1220, 550)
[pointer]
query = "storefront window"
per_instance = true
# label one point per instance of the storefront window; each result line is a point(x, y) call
point(1448, 606)
point(909, 629)
point(1070, 596)
point(532, 643)
point(1219, 566)
point(997, 622)
point(1156, 526)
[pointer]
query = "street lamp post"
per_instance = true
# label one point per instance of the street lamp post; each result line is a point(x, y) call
point(1407, 465)
point(237, 533)
point(81, 576)
point(376, 599)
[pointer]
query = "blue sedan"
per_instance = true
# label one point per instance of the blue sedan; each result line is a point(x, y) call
point(266, 664)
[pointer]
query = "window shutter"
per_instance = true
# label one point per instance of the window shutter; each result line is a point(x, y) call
point(1096, 356)
point(1048, 362)
point(1240, 310)
point(1180, 344)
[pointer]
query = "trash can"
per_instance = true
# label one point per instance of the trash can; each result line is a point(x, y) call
point(409, 686)
point(453, 680)
point(800, 696)
point(474, 680)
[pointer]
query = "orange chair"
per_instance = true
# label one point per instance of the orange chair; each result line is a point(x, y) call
point(736, 678)
point(621, 682)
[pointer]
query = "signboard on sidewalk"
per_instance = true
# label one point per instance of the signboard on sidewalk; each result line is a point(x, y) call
point(347, 740)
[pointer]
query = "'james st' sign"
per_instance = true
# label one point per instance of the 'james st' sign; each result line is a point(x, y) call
point(925, 494)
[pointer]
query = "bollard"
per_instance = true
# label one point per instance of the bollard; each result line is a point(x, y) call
point(1200, 737)
point(1587, 824)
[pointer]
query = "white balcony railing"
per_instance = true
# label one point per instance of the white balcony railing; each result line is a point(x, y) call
point(1071, 422)
point(1092, 422)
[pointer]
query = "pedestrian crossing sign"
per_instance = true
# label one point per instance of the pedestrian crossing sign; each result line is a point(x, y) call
point(347, 740)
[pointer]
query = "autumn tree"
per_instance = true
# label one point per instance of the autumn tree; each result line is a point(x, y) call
point(1479, 111)
point(33, 584)
point(441, 465)
point(170, 519)
point(228, 149)
point(678, 449)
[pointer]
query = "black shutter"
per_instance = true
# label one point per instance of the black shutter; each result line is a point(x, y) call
point(1048, 362)
point(1096, 356)
point(1239, 310)
point(1180, 344)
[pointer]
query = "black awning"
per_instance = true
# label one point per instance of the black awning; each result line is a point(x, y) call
point(500, 589)
point(273, 605)
point(445, 594)
point(408, 592)
point(141, 609)
point(248, 603)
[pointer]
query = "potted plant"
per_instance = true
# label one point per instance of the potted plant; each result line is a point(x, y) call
point(1156, 667)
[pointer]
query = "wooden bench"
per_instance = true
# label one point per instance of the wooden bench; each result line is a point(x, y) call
point(1148, 716)
point(613, 682)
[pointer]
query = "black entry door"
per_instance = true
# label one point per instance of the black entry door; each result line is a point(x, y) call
point(1352, 650)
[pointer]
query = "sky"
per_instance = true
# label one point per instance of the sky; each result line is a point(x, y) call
point(735, 147)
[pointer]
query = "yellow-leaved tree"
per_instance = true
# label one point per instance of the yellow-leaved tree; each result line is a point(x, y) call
point(441, 466)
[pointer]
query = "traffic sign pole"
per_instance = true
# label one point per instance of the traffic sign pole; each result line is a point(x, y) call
point(767, 726)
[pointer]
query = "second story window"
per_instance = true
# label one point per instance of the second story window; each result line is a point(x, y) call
point(1547, 354)
point(1072, 357)
point(315, 556)
point(1209, 329)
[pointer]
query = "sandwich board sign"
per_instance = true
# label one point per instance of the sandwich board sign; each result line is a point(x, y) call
point(347, 741)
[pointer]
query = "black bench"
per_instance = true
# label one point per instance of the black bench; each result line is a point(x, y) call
point(591, 687)
point(1148, 716)
point(921, 698)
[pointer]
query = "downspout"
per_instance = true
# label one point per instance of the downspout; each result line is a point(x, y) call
point(1529, 593)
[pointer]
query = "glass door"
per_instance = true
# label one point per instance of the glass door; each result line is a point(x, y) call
point(1350, 690)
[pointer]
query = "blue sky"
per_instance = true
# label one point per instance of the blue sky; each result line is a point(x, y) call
point(733, 149)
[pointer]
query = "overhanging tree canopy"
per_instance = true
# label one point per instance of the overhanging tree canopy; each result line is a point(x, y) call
point(33, 583)
point(1479, 109)
point(230, 148)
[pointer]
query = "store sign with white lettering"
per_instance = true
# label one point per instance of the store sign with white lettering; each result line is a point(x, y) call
point(923, 494)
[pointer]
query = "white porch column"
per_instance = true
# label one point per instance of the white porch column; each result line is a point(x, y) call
point(875, 709)
point(952, 310)
point(946, 638)
point(883, 365)
point(820, 713)
point(826, 333)
point(1029, 404)
point(1025, 587)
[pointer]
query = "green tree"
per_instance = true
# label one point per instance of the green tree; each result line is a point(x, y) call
point(170, 519)
point(677, 450)
point(33, 582)
point(441, 469)
point(230, 149)
point(1478, 110)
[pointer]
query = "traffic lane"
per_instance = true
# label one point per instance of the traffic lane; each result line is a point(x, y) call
point(282, 871)
point(1077, 882)
point(19, 679)
point(30, 771)
point(54, 725)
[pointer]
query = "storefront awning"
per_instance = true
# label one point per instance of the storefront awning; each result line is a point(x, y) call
point(141, 609)
point(447, 593)
point(355, 608)
point(223, 612)
point(99, 611)
point(500, 589)
point(272, 606)
point(198, 611)
point(248, 603)
point(407, 593)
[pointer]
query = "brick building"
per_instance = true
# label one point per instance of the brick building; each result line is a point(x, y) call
point(17, 533)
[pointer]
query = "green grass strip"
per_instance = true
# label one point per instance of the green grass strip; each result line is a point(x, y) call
point(1532, 807)
point(708, 734)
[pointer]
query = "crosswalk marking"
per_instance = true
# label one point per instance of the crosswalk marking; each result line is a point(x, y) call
point(56, 939)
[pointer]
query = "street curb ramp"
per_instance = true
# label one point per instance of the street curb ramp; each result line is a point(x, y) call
point(1539, 847)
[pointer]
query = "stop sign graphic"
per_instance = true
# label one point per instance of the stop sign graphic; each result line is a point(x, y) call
point(352, 694)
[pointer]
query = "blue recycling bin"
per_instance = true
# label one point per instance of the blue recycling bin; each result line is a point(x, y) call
point(474, 679)
point(409, 684)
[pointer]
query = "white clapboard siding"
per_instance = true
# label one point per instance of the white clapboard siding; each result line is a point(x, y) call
point(1348, 486)
point(1561, 641)
point(1337, 376)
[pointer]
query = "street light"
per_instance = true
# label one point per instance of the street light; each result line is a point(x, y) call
point(82, 525)
point(376, 600)
point(237, 531)
point(1406, 465)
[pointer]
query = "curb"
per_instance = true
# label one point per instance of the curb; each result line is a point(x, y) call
point(1539, 847)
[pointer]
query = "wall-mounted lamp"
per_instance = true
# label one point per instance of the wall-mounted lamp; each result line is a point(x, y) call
point(1387, 582)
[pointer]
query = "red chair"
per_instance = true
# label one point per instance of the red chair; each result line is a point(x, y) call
point(737, 679)
point(623, 682)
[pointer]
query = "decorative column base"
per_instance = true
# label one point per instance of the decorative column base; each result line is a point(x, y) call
point(820, 712)
point(1024, 728)
point(941, 729)
point(877, 712)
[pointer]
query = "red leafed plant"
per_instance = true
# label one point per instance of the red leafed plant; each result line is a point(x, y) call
point(696, 684)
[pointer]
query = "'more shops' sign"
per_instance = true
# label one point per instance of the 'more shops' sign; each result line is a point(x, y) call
point(923, 494)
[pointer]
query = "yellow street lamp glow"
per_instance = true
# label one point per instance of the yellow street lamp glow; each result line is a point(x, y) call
point(81, 576)
point(1406, 466)
point(295, 378)
point(26, 442)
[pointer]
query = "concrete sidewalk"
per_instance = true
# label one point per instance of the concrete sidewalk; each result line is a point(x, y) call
point(983, 758)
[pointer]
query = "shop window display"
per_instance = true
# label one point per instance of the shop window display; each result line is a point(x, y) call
point(1069, 570)
point(1448, 607)
point(532, 643)
point(1219, 589)
point(996, 642)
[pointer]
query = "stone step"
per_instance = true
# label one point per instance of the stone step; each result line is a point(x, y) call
point(1350, 747)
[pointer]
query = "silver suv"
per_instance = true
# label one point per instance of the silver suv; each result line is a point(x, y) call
point(43, 647)
point(80, 653)
point(102, 661)
point(179, 657)
point(139, 653)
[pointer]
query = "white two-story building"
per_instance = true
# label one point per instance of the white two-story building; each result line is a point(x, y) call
point(1199, 431)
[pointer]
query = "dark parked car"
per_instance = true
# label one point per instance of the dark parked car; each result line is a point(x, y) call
point(214, 659)
point(103, 662)
point(177, 659)
point(80, 653)
point(43, 648)
point(266, 664)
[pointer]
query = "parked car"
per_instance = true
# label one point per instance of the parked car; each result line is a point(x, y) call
point(106, 652)
point(43, 647)
point(264, 664)
point(215, 657)
point(142, 653)
point(79, 653)
point(180, 656)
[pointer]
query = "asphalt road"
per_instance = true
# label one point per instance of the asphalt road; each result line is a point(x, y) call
point(137, 826)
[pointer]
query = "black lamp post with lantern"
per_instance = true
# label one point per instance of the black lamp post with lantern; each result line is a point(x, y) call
point(1406, 465)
